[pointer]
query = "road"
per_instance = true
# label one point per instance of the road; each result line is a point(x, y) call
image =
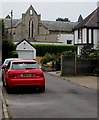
point(62, 99)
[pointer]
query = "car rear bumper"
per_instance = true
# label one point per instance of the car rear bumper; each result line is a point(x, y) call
point(26, 82)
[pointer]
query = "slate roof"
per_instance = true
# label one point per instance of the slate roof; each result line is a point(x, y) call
point(91, 21)
point(50, 25)
point(80, 18)
point(58, 25)
point(8, 22)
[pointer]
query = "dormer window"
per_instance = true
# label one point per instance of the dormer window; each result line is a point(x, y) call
point(31, 12)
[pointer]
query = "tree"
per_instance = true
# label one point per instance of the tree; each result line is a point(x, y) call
point(3, 32)
point(63, 19)
point(7, 44)
point(7, 47)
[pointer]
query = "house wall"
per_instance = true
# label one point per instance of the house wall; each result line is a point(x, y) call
point(18, 33)
point(90, 39)
point(26, 51)
point(26, 54)
point(84, 35)
point(96, 34)
point(43, 30)
point(76, 37)
point(22, 30)
point(47, 38)
point(98, 37)
point(84, 38)
point(25, 21)
point(64, 37)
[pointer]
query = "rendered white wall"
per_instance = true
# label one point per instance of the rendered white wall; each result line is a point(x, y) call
point(64, 37)
point(96, 34)
point(84, 35)
point(76, 36)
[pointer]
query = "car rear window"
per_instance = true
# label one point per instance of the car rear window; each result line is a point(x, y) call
point(24, 65)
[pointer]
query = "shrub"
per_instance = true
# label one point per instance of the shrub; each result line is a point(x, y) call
point(69, 54)
point(13, 54)
point(48, 58)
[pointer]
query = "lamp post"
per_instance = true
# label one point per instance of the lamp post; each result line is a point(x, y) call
point(11, 21)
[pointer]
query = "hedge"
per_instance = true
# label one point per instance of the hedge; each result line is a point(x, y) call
point(42, 49)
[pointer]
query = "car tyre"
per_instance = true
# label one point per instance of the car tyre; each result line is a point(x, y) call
point(8, 89)
point(42, 89)
point(3, 81)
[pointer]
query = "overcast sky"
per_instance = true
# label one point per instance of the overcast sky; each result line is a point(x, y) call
point(49, 10)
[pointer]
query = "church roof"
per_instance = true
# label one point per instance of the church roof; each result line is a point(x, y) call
point(58, 25)
point(8, 22)
point(90, 21)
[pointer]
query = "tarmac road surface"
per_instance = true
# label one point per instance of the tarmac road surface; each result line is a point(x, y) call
point(62, 99)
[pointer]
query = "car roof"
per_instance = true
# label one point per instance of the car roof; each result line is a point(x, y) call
point(12, 58)
point(20, 60)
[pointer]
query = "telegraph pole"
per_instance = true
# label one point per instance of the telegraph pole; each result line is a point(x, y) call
point(11, 21)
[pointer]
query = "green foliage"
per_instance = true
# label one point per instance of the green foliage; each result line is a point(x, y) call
point(42, 49)
point(93, 55)
point(86, 51)
point(3, 32)
point(47, 58)
point(7, 47)
point(63, 19)
point(13, 54)
point(69, 54)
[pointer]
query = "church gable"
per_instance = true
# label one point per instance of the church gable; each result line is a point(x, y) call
point(31, 11)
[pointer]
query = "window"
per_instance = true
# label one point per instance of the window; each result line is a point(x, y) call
point(31, 28)
point(31, 12)
point(69, 41)
point(25, 65)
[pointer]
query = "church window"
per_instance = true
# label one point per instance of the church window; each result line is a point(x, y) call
point(29, 28)
point(32, 30)
point(31, 12)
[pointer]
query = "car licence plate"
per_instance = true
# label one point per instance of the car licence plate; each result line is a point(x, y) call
point(26, 75)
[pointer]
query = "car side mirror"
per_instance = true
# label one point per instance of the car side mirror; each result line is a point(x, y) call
point(4, 66)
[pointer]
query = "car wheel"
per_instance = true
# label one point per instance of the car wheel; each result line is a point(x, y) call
point(42, 89)
point(3, 81)
point(8, 89)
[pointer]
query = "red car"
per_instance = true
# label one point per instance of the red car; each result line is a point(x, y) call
point(23, 73)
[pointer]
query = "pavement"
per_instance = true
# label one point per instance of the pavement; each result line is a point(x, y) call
point(86, 81)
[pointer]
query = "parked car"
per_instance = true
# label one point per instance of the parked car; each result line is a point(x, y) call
point(23, 73)
point(4, 65)
point(6, 61)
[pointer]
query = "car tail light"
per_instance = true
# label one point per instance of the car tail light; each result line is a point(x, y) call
point(39, 75)
point(11, 74)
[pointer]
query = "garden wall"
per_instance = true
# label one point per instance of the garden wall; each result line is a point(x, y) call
point(72, 66)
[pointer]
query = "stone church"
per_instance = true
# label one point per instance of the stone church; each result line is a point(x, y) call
point(33, 29)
